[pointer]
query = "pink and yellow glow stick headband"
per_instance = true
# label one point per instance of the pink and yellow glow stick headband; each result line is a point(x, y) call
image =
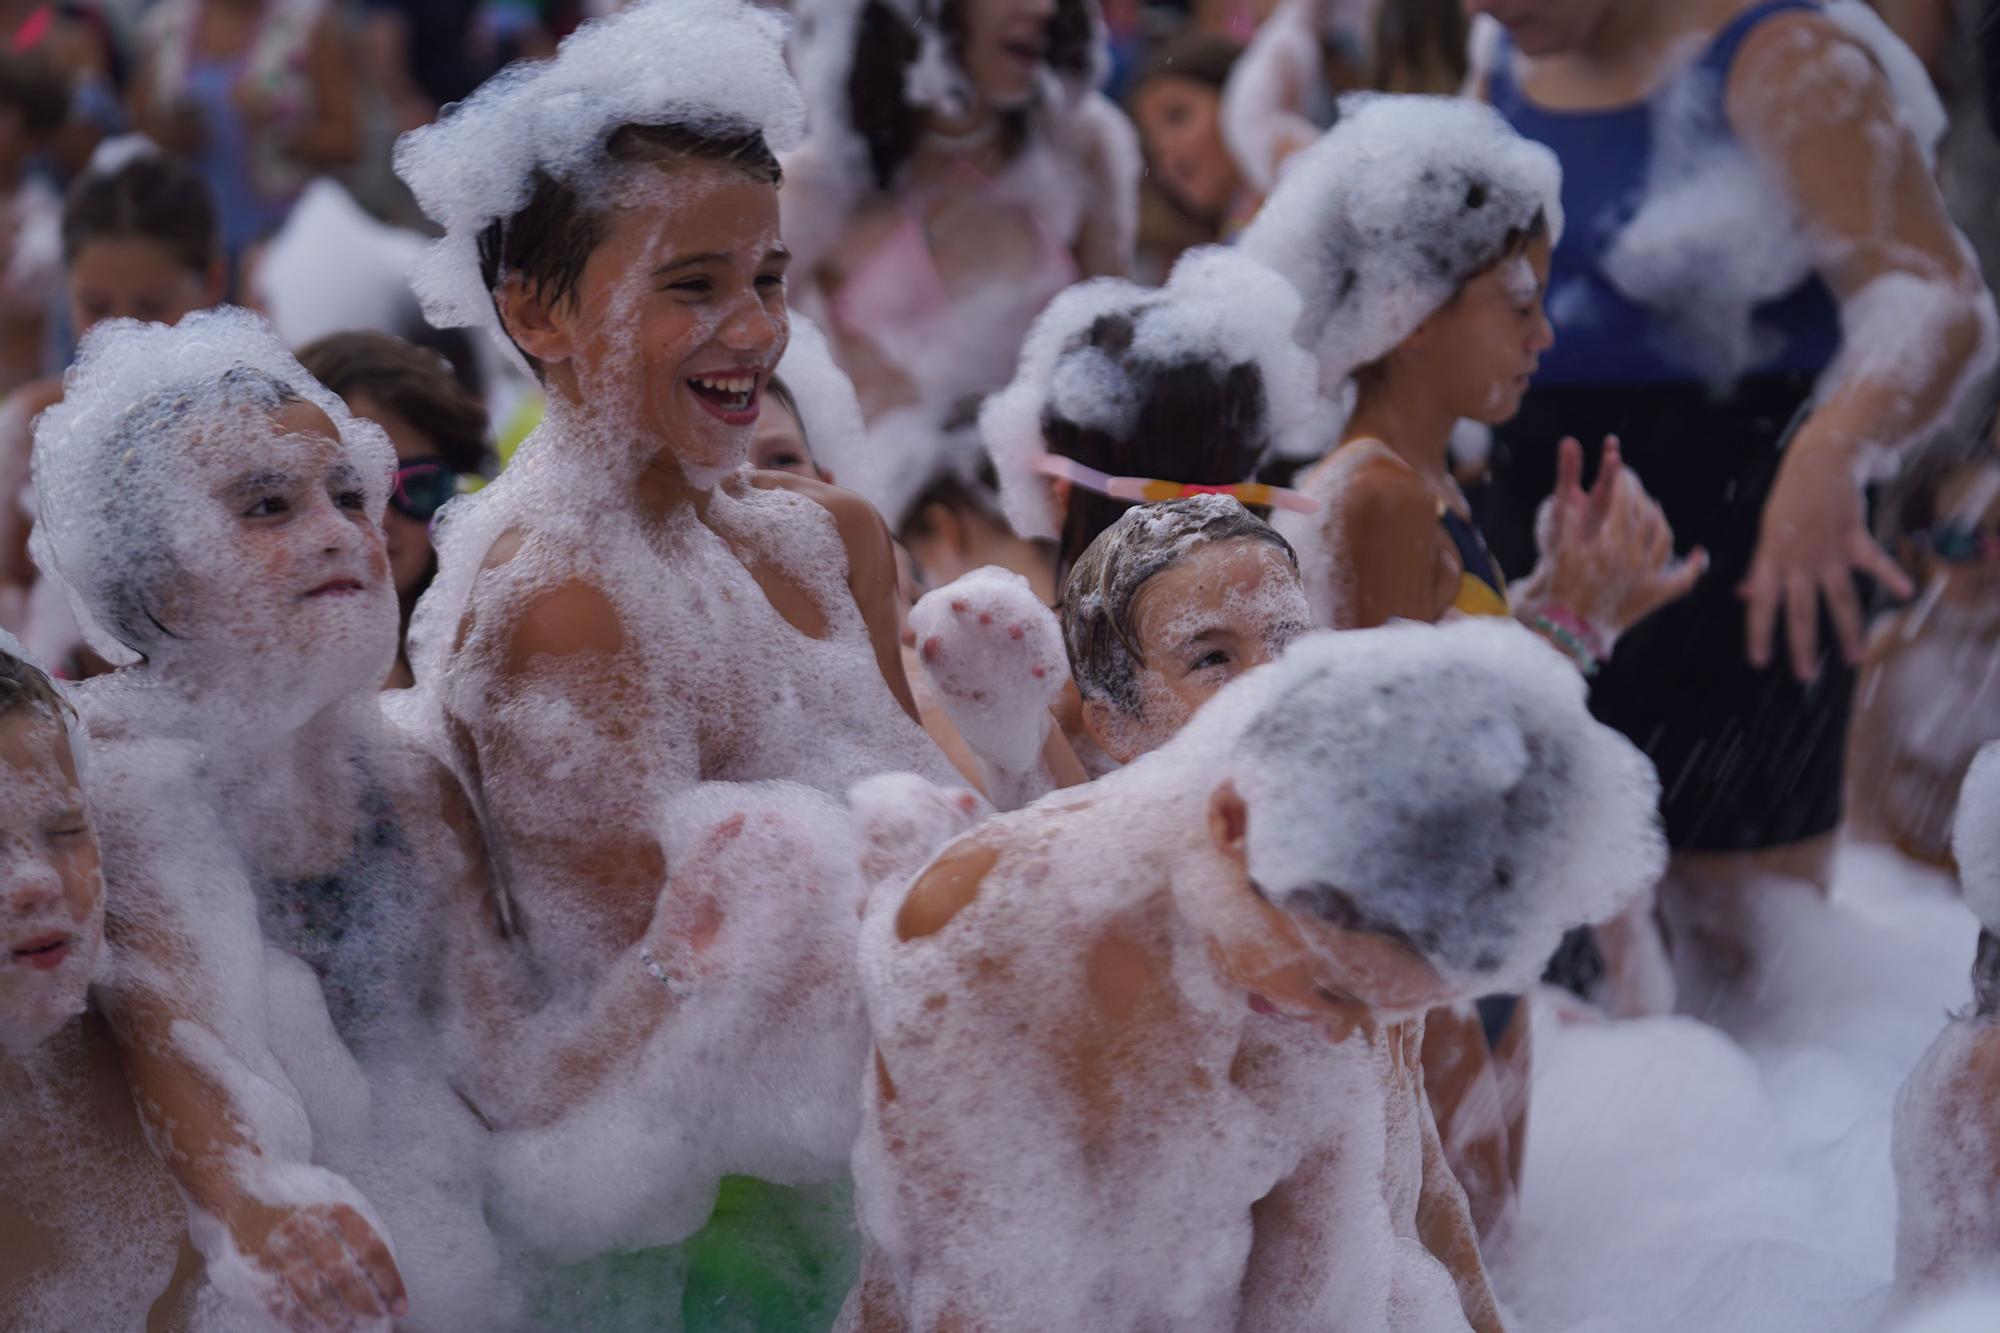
point(1150, 490)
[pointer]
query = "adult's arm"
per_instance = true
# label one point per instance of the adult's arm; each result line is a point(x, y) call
point(1917, 324)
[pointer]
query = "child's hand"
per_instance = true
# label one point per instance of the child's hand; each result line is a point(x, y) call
point(331, 1269)
point(1608, 553)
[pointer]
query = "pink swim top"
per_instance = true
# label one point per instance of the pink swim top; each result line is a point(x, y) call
point(898, 291)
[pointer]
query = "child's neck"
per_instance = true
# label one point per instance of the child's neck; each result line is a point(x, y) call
point(1416, 428)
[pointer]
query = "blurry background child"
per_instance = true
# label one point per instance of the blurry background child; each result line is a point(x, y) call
point(1930, 687)
point(441, 437)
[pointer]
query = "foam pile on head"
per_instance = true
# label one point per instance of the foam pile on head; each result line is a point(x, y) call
point(1384, 218)
point(710, 67)
point(120, 494)
point(1117, 365)
point(1443, 786)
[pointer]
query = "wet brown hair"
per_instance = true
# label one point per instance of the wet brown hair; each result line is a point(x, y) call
point(548, 240)
point(1103, 586)
point(416, 385)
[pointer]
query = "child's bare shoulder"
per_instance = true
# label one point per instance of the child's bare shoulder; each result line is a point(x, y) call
point(949, 884)
point(560, 612)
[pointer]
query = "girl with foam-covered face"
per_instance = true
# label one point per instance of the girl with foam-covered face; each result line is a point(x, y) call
point(237, 567)
point(93, 1230)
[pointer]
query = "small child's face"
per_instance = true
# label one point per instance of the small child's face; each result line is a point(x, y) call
point(132, 277)
point(298, 567)
point(1963, 547)
point(680, 314)
point(780, 443)
point(51, 888)
point(1478, 354)
point(1223, 609)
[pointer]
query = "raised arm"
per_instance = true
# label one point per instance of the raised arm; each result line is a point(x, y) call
point(1916, 323)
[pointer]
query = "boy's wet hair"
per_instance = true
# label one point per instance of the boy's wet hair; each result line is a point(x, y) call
point(148, 433)
point(886, 45)
point(1103, 587)
point(548, 240)
point(36, 91)
point(416, 385)
point(154, 197)
point(1197, 422)
point(26, 689)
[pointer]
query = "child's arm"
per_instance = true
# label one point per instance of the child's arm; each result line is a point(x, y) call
point(871, 572)
point(1444, 1224)
point(219, 1125)
point(1383, 531)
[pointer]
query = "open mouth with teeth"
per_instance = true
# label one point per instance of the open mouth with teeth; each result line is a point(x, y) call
point(730, 393)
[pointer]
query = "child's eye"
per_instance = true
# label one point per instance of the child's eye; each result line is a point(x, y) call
point(1213, 659)
point(268, 507)
point(771, 281)
point(692, 287)
point(351, 500)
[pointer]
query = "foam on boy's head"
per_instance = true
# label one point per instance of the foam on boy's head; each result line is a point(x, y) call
point(1381, 221)
point(1446, 783)
point(51, 889)
point(124, 465)
point(1191, 382)
point(679, 72)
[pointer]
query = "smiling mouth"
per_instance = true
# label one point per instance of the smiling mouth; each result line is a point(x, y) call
point(44, 953)
point(336, 588)
point(731, 393)
point(1028, 53)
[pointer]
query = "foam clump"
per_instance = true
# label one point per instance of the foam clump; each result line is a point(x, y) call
point(1976, 837)
point(753, 1069)
point(1476, 832)
point(140, 405)
point(707, 65)
point(994, 654)
point(1361, 226)
point(333, 268)
point(829, 412)
point(1216, 307)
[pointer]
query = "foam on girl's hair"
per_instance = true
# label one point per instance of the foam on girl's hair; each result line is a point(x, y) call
point(1447, 783)
point(110, 462)
point(1382, 220)
point(706, 65)
point(1216, 307)
point(829, 413)
point(116, 153)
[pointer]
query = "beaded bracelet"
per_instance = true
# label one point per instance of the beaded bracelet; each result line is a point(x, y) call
point(1586, 661)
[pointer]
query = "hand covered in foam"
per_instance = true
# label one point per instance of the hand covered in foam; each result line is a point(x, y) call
point(313, 1265)
point(994, 654)
point(1607, 554)
point(905, 819)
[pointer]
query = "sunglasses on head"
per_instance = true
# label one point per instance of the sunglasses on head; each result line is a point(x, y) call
point(422, 486)
point(1961, 543)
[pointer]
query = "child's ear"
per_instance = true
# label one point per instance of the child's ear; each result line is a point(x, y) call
point(1229, 822)
point(1102, 724)
point(532, 322)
